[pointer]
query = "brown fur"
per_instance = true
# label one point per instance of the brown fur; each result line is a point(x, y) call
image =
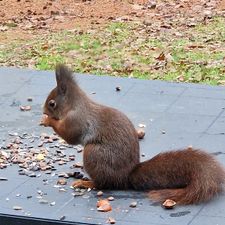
point(111, 149)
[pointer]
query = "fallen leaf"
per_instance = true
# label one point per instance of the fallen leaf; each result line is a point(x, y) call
point(161, 57)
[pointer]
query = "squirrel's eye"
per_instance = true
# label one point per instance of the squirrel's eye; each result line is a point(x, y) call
point(52, 103)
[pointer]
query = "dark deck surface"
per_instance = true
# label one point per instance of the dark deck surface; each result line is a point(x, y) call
point(175, 115)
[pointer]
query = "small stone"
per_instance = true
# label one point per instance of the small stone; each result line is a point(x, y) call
point(133, 204)
point(16, 207)
point(163, 131)
point(100, 193)
point(169, 204)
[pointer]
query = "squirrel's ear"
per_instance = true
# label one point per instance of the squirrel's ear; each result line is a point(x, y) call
point(63, 78)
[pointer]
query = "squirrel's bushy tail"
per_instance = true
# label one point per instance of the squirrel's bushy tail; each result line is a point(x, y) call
point(192, 194)
point(187, 176)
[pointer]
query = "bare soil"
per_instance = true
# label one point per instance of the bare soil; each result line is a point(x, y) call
point(17, 16)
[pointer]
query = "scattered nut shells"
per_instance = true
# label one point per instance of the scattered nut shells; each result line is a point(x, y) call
point(169, 204)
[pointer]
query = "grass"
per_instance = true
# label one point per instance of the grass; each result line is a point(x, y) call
point(128, 49)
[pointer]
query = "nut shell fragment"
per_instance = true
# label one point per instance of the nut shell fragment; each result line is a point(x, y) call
point(25, 108)
point(140, 133)
point(111, 220)
point(103, 205)
point(16, 207)
point(133, 204)
point(104, 208)
point(100, 193)
point(169, 204)
point(62, 181)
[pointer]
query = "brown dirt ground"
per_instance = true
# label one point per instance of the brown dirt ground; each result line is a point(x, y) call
point(24, 18)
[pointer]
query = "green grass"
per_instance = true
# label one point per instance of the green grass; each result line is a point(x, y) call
point(128, 49)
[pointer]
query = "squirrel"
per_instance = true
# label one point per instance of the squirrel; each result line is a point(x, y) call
point(111, 149)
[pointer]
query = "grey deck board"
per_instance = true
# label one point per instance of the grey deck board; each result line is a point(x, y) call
point(188, 114)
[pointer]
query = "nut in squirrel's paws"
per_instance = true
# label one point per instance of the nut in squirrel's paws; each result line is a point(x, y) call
point(44, 120)
point(83, 184)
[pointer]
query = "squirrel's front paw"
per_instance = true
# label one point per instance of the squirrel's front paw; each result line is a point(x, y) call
point(44, 120)
point(83, 184)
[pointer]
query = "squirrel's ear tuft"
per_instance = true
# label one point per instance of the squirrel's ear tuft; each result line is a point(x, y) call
point(63, 78)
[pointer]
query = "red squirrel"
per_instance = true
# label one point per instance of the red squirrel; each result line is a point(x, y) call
point(111, 149)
